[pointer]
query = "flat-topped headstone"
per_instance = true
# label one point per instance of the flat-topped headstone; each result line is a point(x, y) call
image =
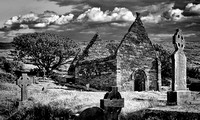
point(179, 62)
point(112, 104)
point(23, 82)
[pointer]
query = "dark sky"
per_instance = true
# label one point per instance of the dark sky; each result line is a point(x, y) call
point(81, 19)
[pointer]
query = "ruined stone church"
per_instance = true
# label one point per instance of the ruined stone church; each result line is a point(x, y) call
point(132, 64)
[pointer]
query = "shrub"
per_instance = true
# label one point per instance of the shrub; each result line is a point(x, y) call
point(57, 77)
point(10, 66)
point(7, 77)
point(46, 50)
point(37, 72)
point(193, 72)
point(41, 112)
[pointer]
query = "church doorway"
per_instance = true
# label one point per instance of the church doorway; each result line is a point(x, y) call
point(139, 80)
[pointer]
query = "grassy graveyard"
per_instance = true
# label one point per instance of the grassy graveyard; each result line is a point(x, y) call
point(56, 98)
point(48, 93)
point(49, 97)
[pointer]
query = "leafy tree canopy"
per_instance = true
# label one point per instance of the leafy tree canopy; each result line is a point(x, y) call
point(47, 50)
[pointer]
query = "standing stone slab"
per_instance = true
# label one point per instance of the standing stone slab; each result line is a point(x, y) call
point(44, 74)
point(179, 62)
point(159, 78)
point(179, 94)
point(23, 82)
point(34, 79)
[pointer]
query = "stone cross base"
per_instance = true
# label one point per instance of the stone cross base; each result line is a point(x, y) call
point(178, 97)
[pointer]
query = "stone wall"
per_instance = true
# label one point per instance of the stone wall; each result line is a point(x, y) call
point(103, 65)
point(137, 52)
point(100, 75)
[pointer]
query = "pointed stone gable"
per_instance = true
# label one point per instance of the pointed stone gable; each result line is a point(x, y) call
point(138, 28)
point(136, 52)
point(131, 65)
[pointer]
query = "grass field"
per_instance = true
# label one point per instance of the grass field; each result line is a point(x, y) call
point(48, 93)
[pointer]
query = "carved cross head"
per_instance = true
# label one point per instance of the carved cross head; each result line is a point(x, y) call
point(178, 40)
point(24, 80)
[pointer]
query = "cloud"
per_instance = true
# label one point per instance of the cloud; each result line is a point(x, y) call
point(120, 24)
point(40, 25)
point(193, 8)
point(88, 32)
point(191, 24)
point(174, 15)
point(81, 7)
point(161, 12)
point(12, 20)
point(156, 8)
point(33, 20)
point(152, 18)
point(64, 19)
point(48, 19)
point(28, 18)
point(95, 14)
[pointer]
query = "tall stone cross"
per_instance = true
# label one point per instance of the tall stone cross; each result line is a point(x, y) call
point(23, 82)
point(179, 95)
point(179, 61)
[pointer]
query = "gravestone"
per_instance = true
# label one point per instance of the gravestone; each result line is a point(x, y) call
point(94, 113)
point(23, 82)
point(87, 86)
point(34, 79)
point(110, 107)
point(112, 104)
point(159, 78)
point(179, 94)
point(44, 74)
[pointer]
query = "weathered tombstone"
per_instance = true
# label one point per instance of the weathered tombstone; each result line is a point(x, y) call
point(179, 94)
point(44, 75)
point(94, 113)
point(88, 86)
point(34, 80)
point(112, 104)
point(159, 79)
point(23, 82)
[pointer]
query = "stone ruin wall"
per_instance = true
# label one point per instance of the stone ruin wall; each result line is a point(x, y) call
point(99, 75)
point(132, 56)
point(134, 52)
